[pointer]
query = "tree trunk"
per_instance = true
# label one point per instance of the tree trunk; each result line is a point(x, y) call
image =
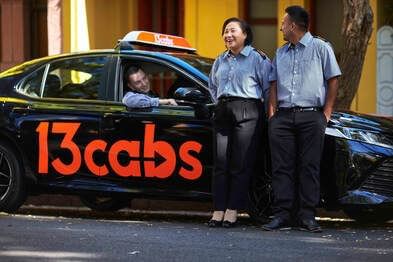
point(356, 32)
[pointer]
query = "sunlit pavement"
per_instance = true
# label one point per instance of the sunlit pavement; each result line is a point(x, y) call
point(78, 234)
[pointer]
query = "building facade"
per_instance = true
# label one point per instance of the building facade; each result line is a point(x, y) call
point(35, 28)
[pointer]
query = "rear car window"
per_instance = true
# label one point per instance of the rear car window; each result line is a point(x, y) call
point(75, 78)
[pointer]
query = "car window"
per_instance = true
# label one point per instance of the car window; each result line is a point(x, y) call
point(164, 80)
point(203, 64)
point(77, 78)
point(31, 86)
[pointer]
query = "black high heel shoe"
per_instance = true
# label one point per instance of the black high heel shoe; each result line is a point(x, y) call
point(214, 223)
point(228, 224)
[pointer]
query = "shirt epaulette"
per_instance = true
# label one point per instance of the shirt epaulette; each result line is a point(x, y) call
point(324, 40)
point(261, 53)
point(321, 38)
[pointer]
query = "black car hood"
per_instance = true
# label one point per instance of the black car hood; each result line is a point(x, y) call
point(362, 121)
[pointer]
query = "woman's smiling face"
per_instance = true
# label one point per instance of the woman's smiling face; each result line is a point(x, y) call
point(234, 37)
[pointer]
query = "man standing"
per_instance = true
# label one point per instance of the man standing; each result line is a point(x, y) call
point(304, 82)
point(140, 95)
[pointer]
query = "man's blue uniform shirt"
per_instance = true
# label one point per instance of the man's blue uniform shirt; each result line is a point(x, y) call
point(302, 71)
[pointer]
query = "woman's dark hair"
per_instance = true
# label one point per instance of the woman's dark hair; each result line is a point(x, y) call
point(243, 25)
point(298, 15)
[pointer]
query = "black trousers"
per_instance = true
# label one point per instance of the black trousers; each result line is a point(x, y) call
point(238, 130)
point(296, 143)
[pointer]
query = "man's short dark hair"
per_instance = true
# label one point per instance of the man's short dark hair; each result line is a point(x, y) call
point(299, 16)
point(131, 70)
point(243, 25)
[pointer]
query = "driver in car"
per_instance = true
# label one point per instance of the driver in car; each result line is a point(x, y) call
point(140, 94)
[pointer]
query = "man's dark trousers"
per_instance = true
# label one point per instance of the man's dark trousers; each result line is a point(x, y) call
point(238, 131)
point(296, 142)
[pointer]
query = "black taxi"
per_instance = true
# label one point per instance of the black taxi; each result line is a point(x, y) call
point(64, 129)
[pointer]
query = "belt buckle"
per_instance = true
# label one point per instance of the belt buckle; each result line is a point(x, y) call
point(310, 109)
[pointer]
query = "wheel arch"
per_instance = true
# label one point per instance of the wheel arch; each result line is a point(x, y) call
point(9, 141)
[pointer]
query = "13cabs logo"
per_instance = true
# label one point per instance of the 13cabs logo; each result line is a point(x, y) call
point(133, 169)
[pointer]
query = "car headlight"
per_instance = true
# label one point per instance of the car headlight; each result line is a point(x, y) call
point(366, 136)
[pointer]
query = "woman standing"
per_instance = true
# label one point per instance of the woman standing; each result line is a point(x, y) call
point(238, 82)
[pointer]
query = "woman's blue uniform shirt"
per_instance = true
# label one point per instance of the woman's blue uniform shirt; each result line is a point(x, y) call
point(245, 75)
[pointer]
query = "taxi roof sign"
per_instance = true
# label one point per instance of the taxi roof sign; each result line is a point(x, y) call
point(157, 40)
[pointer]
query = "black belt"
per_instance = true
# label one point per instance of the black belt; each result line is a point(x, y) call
point(236, 98)
point(299, 109)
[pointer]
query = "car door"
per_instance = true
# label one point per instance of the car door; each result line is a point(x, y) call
point(164, 150)
point(67, 98)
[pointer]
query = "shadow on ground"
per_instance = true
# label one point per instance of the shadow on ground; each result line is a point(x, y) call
point(326, 221)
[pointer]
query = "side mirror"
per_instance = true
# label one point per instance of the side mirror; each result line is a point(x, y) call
point(191, 94)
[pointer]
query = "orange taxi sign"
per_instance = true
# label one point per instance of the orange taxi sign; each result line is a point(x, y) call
point(156, 39)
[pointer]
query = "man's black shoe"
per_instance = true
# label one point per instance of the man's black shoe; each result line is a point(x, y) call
point(277, 223)
point(310, 225)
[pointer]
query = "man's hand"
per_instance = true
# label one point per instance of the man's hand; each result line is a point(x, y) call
point(168, 101)
point(328, 114)
point(330, 97)
point(271, 107)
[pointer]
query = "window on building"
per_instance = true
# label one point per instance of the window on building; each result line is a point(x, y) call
point(164, 16)
point(328, 24)
point(385, 13)
point(262, 17)
point(39, 28)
